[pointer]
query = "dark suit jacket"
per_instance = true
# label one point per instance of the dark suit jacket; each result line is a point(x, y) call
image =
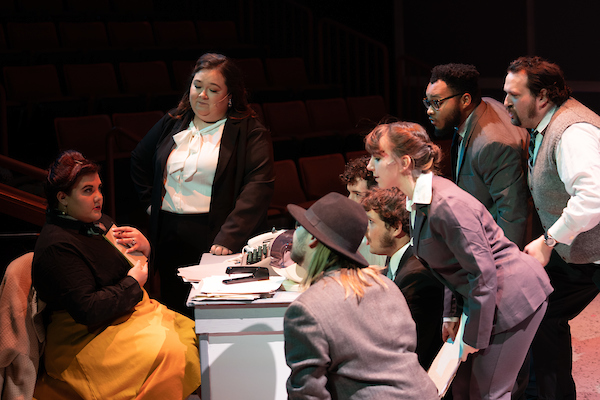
point(493, 167)
point(243, 185)
point(341, 348)
point(424, 294)
point(497, 285)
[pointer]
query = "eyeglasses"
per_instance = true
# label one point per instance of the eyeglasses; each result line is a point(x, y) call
point(436, 104)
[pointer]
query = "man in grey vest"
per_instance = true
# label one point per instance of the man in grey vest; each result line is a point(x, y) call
point(564, 179)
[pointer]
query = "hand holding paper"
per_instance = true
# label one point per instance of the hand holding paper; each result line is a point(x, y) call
point(132, 255)
point(132, 238)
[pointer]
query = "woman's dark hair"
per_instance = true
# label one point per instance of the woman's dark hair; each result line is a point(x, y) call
point(407, 138)
point(235, 85)
point(542, 74)
point(63, 174)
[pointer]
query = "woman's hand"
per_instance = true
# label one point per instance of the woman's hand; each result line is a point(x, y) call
point(129, 236)
point(139, 272)
point(449, 329)
point(539, 250)
point(220, 250)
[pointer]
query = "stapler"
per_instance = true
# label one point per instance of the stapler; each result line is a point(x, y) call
point(257, 274)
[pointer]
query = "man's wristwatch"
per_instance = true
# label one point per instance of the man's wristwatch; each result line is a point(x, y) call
point(549, 240)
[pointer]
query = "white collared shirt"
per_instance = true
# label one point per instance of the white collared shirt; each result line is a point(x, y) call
point(578, 165)
point(422, 194)
point(191, 168)
point(395, 261)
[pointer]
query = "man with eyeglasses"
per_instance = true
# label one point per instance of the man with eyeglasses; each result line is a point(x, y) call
point(488, 155)
point(564, 179)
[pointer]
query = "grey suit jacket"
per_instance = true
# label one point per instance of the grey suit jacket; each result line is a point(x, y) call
point(493, 167)
point(339, 348)
point(496, 284)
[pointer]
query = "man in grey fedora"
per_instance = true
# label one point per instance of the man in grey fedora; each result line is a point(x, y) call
point(350, 335)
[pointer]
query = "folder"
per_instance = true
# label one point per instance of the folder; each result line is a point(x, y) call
point(446, 363)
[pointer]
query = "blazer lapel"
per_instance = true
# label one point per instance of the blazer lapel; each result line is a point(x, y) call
point(477, 113)
point(407, 254)
point(228, 140)
point(420, 218)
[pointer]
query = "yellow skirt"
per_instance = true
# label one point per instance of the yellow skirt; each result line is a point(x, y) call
point(150, 354)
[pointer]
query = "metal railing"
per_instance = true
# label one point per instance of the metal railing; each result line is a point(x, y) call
point(350, 59)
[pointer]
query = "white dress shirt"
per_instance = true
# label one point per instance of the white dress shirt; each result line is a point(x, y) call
point(422, 194)
point(191, 169)
point(395, 261)
point(578, 165)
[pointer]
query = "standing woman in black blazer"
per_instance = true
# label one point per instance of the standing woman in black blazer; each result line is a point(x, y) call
point(499, 290)
point(205, 171)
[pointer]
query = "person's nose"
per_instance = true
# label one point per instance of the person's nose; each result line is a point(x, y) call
point(430, 110)
point(506, 101)
point(370, 166)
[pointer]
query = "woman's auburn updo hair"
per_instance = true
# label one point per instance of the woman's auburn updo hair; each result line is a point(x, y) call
point(407, 138)
point(64, 173)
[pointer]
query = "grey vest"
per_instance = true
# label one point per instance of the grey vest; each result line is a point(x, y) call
point(548, 191)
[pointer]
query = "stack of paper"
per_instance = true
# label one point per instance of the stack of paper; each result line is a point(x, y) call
point(213, 288)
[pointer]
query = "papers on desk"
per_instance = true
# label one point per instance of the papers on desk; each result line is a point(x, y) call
point(446, 363)
point(213, 288)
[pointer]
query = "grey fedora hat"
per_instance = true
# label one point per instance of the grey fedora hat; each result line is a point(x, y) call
point(337, 222)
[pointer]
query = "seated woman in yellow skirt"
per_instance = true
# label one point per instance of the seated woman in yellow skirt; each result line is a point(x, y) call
point(106, 339)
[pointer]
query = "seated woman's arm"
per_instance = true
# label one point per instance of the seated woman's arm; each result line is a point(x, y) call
point(67, 280)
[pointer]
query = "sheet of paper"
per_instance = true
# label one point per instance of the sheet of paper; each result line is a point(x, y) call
point(446, 363)
point(214, 284)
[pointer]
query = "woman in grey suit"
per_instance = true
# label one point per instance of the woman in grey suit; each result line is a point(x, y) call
point(350, 335)
point(501, 291)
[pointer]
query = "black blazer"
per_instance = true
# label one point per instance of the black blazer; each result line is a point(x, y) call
point(243, 185)
point(425, 297)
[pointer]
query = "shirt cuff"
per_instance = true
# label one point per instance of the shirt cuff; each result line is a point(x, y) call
point(561, 233)
point(450, 319)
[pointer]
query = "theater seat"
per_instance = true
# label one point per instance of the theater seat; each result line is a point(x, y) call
point(321, 175)
point(135, 126)
point(287, 191)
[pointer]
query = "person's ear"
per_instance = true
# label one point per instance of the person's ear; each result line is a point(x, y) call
point(313, 242)
point(466, 100)
point(62, 198)
point(405, 161)
point(398, 232)
point(542, 99)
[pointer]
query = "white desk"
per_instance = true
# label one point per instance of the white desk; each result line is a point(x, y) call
point(241, 344)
